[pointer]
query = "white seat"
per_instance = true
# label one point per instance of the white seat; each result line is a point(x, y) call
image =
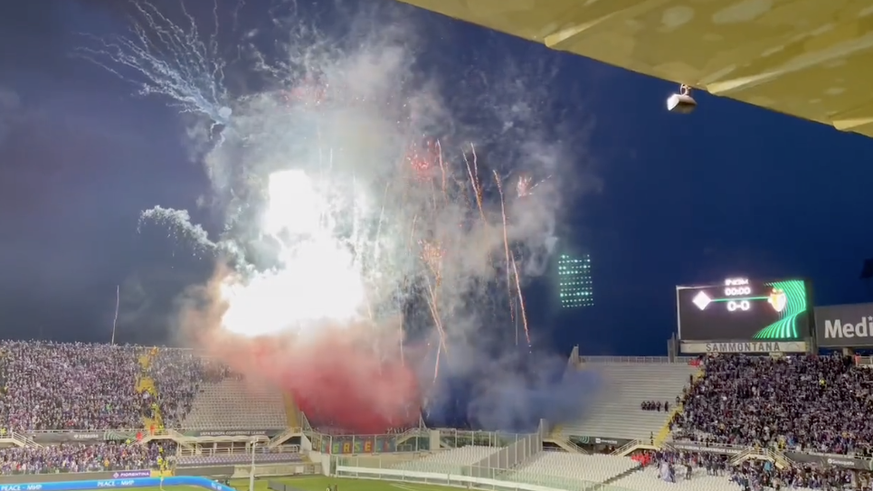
point(615, 411)
point(589, 468)
point(450, 461)
point(237, 405)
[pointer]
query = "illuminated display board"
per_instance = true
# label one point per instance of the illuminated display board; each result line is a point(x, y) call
point(575, 285)
point(742, 309)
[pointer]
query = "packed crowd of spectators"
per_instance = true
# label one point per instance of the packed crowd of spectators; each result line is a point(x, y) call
point(75, 457)
point(752, 474)
point(50, 385)
point(78, 386)
point(806, 403)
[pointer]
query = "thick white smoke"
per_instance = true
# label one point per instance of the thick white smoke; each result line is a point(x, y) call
point(356, 182)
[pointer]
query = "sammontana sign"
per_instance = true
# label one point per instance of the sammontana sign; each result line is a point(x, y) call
point(743, 347)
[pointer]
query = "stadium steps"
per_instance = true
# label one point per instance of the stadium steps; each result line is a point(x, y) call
point(557, 437)
point(20, 439)
point(292, 412)
point(605, 485)
point(147, 384)
point(567, 445)
point(615, 412)
point(664, 432)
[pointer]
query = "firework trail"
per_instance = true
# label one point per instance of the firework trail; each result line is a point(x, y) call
point(166, 59)
point(505, 240)
point(337, 219)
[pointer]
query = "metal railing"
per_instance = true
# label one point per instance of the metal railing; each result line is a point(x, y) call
point(26, 440)
point(779, 458)
point(454, 475)
point(201, 451)
point(627, 446)
point(576, 448)
point(281, 437)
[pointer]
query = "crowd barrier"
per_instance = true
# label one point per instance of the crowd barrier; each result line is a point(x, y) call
point(116, 483)
point(436, 478)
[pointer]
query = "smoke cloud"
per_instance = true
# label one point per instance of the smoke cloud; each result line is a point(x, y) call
point(381, 218)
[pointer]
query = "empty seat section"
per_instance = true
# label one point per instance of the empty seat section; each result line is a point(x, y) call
point(236, 405)
point(588, 468)
point(450, 461)
point(615, 412)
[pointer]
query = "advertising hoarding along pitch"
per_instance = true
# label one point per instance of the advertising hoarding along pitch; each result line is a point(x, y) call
point(739, 309)
point(844, 326)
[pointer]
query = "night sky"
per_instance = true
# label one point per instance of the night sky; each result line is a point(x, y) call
point(666, 200)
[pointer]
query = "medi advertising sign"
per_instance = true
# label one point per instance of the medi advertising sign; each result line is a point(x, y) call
point(844, 326)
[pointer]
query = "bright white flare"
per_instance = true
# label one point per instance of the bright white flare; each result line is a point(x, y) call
point(317, 281)
point(295, 206)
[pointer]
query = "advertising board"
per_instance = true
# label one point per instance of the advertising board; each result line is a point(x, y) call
point(762, 347)
point(114, 483)
point(600, 440)
point(220, 433)
point(831, 460)
point(844, 326)
point(68, 436)
point(706, 448)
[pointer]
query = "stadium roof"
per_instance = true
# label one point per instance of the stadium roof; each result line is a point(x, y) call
point(808, 58)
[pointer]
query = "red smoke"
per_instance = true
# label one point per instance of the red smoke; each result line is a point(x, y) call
point(335, 374)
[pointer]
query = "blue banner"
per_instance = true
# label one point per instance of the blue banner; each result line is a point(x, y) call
point(117, 483)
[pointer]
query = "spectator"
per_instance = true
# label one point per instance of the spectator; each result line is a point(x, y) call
point(177, 375)
point(818, 403)
point(654, 406)
point(755, 474)
point(52, 386)
point(82, 457)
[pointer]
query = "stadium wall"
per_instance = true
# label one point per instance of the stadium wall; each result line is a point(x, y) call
point(435, 478)
point(113, 483)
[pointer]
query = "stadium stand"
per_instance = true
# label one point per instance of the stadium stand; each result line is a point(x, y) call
point(51, 386)
point(804, 404)
point(450, 460)
point(616, 411)
point(82, 457)
point(819, 403)
point(591, 468)
point(239, 458)
point(688, 471)
point(650, 479)
point(178, 375)
point(234, 404)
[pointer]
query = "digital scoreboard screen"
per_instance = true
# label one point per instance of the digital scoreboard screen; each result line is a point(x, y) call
point(740, 309)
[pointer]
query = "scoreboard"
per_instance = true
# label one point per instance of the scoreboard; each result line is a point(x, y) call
point(743, 309)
